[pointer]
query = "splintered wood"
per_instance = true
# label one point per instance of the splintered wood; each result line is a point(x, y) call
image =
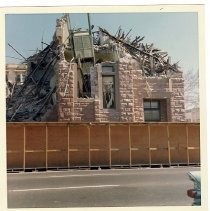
point(153, 61)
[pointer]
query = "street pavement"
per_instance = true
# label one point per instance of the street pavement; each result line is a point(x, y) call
point(100, 188)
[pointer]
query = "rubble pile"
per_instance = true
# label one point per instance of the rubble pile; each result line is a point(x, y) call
point(153, 61)
point(31, 100)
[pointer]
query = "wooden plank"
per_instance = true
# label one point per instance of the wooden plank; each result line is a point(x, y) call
point(46, 127)
point(120, 141)
point(110, 154)
point(178, 143)
point(139, 136)
point(35, 138)
point(140, 156)
point(79, 158)
point(99, 158)
point(35, 159)
point(130, 159)
point(57, 146)
point(15, 146)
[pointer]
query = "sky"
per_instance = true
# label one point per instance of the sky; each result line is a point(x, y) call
point(174, 32)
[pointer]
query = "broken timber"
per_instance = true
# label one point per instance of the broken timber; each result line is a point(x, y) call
point(130, 47)
point(31, 100)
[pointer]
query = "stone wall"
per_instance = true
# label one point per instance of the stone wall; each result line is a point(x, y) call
point(139, 89)
point(157, 88)
point(177, 98)
point(169, 90)
point(66, 77)
point(132, 87)
point(84, 110)
point(126, 92)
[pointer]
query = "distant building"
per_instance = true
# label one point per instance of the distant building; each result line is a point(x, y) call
point(15, 75)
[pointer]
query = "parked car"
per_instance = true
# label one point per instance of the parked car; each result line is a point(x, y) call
point(195, 192)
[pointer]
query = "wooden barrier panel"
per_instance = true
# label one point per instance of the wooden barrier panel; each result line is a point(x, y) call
point(79, 139)
point(193, 135)
point(79, 158)
point(139, 144)
point(57, 146)
point(66, 145)
point(194, 156)
point(194, 143)
point(120, 150)
point(35, 146)
point(15, 146)
point(99, 145)
point(159, 144)
point(178, 143)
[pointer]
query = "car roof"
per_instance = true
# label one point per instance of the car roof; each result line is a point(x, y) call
point(195, 176)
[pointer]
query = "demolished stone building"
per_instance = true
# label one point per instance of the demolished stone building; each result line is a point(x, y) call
point(93, 76)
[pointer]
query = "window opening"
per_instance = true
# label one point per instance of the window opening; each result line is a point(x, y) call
point(18, 78)
point(151, 110)
point(108, 91)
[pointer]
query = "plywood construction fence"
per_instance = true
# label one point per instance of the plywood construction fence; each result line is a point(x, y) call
point(68, 145)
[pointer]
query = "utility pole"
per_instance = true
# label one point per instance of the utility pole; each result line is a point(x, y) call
point(89, 25)
point(91, 37)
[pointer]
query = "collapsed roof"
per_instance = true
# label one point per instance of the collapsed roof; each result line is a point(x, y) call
point(36, 97)
point(153, 61)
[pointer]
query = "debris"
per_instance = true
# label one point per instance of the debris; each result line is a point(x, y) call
point(32, 99)
point(152, 59)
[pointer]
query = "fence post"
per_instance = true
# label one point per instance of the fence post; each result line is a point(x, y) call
point(89, 157)
point(68, 147)
point(187, 135)
point(169, 147)
point(110, 152)
point(149, 135)
point(24, 147)
point(129, 131)
point(46, 141)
